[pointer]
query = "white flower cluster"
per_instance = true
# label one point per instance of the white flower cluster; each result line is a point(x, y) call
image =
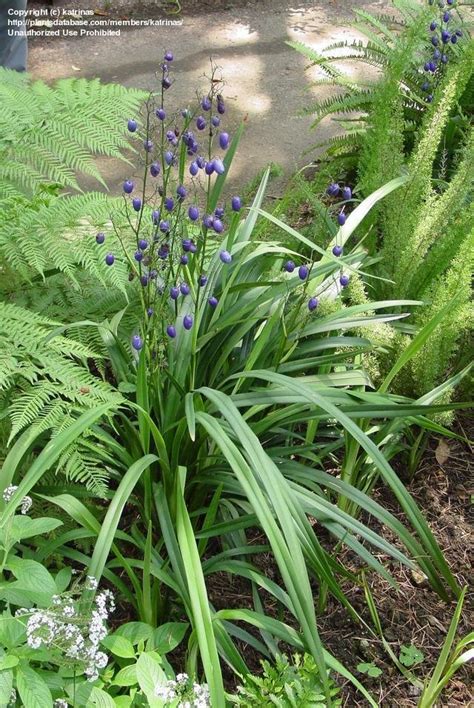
point(60, 703)
point(191, 695)
point(77, 637)
point(26, 502)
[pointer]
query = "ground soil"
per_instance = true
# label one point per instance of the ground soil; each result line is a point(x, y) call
point(412, 614)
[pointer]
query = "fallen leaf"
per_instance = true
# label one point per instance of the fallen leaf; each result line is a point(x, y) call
point(75, 68)
point(442, 452)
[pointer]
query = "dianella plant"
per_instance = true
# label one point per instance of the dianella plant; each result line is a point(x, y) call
point(211, 404)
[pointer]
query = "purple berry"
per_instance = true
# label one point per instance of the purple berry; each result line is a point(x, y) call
point(209, 168)
point(185, 289)
point(184, 260)
point(137, 204)
point(220, 105)
point(109, 259)
point(163, 251)
point(341, 218)
point(427, 66)
point(194, 168)
point(218, 226)
point(169, 157)
point(219, 212)
point(433, 26)
point(138, 255)
point(168, 56)
point(160, 113)
point(171, 331)
point(187, 322)
point(181, 191)
point(207, 221)
point(224, 140)
point(166, 82)
point(150, 311)
point(236, 204)
point(142, 244)
point(154, 169)
point(164, 226)
point(432, 66)
point(155, 216)
point(213, 301)
point(459, 33)
point(137, 343)
point(186, 244)
point(429, 98)
point(216, 121)
point(451, 2)
point(434, 41)
point(313, 302)
point(446, 16)
point(128, 186)
point(200, 122)
point(169, 203)
point(333, 189)
point(444, 59)
point(225, 256)
point(454, 39)
point(174, 293)
point(346, 193)
point(445, 36)
point(144, 280)
point(201, 162)
point(219, 166)
point(425, 86)
point(193, 213)
point(289, 266)
point(344, 280)
point(100, 238)
point(303, 272)
point(132, 125)
point(436, 55)
point(148, 145)
point(206, 103)
point(337, 251)
point(202, 280)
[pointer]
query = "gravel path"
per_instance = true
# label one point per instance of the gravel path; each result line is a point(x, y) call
point(265, 78)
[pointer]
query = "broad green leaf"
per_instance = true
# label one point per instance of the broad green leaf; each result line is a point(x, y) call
point(32, 688)
point(126, 676)
point(167, 636)
point(100, 699)
point(26, 527)
point(135, 632)
point(119, 646)
point(149, 675)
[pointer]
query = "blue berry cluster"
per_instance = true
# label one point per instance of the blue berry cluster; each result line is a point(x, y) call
point(168, 255)
point(443, 34)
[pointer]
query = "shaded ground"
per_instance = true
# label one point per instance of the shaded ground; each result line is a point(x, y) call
point(413, 614)
point(266, 81)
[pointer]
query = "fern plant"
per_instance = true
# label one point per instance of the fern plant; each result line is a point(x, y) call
point(50, 134)
point(46, 382)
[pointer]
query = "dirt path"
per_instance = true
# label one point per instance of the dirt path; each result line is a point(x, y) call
point(265, 78)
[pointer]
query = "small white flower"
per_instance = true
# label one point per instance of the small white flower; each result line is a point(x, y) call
point(26, 504)
point(182, 678)
point(60, 703)
point(91, 583)
point(9, 492)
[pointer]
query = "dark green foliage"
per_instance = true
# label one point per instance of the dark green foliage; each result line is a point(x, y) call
point(285, 684)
